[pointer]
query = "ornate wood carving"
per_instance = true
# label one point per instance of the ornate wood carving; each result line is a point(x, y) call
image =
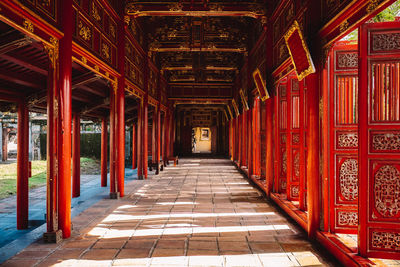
point(348, 179)
point(387, 191)
point(347, 218)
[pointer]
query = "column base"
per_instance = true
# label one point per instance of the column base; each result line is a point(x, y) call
point(52, 237)
point(114, 195)
point(140, 177)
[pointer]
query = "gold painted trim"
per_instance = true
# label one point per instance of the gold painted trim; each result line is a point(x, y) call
point(84, 63)
point(235, 107)
point(245, 104)
point(229, 110)
point(257, 71)
point(311, 68)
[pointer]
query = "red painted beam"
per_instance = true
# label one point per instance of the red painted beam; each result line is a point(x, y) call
point(22, 163)
point(76, 156)
point(17, 59)
point(104, 136)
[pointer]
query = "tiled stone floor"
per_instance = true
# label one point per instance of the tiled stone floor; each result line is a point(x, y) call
point(13, 240)
point(200, 213)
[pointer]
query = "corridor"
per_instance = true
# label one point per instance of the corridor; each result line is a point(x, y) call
point(200, 213)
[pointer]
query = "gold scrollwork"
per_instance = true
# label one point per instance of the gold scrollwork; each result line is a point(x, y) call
point(52, 51)
point(96, 68)
point(105, 50)
point(84, 60)
point(28, 25)
point(95, 12)
point(373, 4)
point(84, 31)
point(344, 26)
point(45, 3)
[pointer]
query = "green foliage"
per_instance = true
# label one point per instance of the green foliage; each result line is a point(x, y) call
point(8, 174)
point(389, 14)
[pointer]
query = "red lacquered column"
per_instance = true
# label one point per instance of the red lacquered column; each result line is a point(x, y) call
point(76, 156)
point(139, 140)
point(158, 138)
point(313, 156)
point(104, 152)
point(145, 135)
point(22, 166)
point(64, 130)
point(134, 147)
point(120, 160)
point(113, 187)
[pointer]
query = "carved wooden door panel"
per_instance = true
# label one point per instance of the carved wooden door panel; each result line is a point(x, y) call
point(343, 124)
point(379, 140)
point(295, 105)
point(263, 152)
point(281, 136)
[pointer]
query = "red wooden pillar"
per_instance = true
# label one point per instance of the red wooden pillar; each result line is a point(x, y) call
point(64, 132)
point(250, 142)
point(269, 160)
point(53, 234)
point(76, 156)
point(22, 163)
point(113, 152)
point(104, 152)
point(313, 198)
point(173, 133)
point(166, 138)
point(120, 160)
point(158, 137)
point(139, 140)
point(134, 147)
point(145, 135)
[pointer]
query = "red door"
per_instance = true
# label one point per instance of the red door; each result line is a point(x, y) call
point(281, 136)
point(379, 137)
point(293, 139)
point(343, 138)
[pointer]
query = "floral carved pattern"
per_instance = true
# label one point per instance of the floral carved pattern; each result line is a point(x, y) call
point(386, 240)
point(386, 41)
point(296, 138)
point(347, 60)
point(284, 163)
point(348, 140)
point(347, 218)
point(348, 179)
point(295, 191)
point(387, 191)
point(296, 164)
point(386, 141)
point(84, 32)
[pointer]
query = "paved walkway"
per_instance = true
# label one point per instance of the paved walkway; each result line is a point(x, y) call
point(13, 240)
point(200, 213)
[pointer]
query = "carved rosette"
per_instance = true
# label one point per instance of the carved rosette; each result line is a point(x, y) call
point(347, 218)
point(386, 240)
point(296, 138)
point(348, 179)
point(387, 191)
point(384, 142)
point(295, 191)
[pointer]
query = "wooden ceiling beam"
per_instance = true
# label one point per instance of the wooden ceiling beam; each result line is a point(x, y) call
point(24, 63)
point(13, 40)
point(88, 89)
point(21, 79)
point(143, 9)
point(84, 79)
